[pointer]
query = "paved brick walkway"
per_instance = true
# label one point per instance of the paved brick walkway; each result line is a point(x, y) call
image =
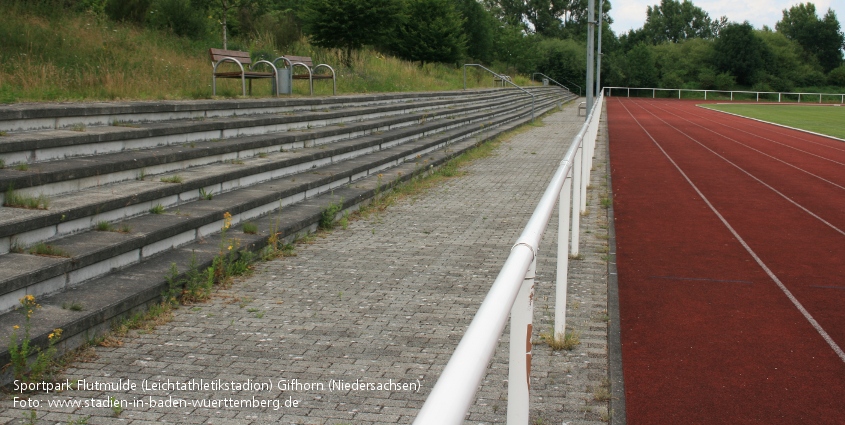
point(384, 301)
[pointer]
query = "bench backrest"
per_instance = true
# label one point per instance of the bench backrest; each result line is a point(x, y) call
point(305, 60)
point(217, 54)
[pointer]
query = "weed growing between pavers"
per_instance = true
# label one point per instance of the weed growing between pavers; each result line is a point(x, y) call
point(23, 370)
point(327, 216)
point(568, 341)
point(195, 285)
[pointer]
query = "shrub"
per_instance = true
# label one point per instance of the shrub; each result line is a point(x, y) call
point(725, 81)
point(177, 16)
point(836, 77)
point(672, 81)
point(127, 10)
point(812, 78)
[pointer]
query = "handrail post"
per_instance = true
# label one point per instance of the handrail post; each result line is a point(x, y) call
point(585, 168)
point(576, 198)
point(519, 368)
point(564, 207)
point(465, 77)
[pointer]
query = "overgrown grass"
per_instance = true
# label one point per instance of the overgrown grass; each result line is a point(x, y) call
point(249, 228)
point(87, 57)
point(45, 250)
point(17, 200)
point(172, 179)
point(820, 119)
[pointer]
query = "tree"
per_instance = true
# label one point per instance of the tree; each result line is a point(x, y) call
point(127, 10)
point(563, 60)
point(837, 77)
point(350, 24)
point(178, 16)
point(550, 18)
point(740, 52)
point(231, 14)
point(819, 37)
point(479, 28)
point(641, 67)
point(676, 21)
point(433, 32)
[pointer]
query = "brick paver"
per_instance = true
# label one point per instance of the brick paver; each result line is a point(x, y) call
point(384, 301)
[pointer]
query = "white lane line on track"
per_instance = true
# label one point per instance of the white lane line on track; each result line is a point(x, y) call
point(779, 143)
point(800, 130)
point(827, 223)
point(752, 148)
point(750, 251)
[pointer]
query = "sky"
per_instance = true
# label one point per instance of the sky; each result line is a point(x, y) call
point(630, 14)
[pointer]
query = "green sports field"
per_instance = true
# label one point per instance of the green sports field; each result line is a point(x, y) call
point(828, 120)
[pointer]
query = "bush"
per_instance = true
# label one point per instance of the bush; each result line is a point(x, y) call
point(725, 81)
point(672, 81)
point(707, 79)
point(812, 78)
point(836, 77)
point(179, 17)
point(128, 10)
point(282, 26)
point(761, 86)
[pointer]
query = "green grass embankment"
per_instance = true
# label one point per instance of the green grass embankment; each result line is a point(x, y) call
point(820, 119)
point(87, 57)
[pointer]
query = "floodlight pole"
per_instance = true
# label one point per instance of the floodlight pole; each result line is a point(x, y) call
point(591, 22)
point(598, 56)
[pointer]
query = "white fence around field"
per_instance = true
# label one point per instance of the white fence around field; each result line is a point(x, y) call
point(512, 294)
point(767, 96)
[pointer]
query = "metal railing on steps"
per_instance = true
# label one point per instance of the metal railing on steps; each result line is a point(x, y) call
point(504, 79)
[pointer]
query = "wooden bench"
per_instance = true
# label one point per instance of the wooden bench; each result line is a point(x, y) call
point(308, 64)
point(245, 72)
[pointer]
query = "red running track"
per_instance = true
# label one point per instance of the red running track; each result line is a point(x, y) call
point(730, 257)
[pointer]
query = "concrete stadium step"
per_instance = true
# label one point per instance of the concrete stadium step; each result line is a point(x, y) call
point(96, 253)
point(84, 209)
point(113, 274)
point(59, 176)
point(25, 117)
point(135, 133)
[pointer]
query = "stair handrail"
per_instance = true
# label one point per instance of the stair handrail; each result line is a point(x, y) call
point(553, 80)
point(564, 79)
point(504, 79)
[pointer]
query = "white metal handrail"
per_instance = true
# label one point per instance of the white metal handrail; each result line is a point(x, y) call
point(512, 293)
point(654, 91)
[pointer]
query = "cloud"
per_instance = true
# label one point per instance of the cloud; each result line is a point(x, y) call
point(630, 14)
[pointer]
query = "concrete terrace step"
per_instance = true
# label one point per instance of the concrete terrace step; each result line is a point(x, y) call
point(96, 253)
point(52, 177)
point(46, 145)
point(23, 117)
point(113, 274)
point(81, 210)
